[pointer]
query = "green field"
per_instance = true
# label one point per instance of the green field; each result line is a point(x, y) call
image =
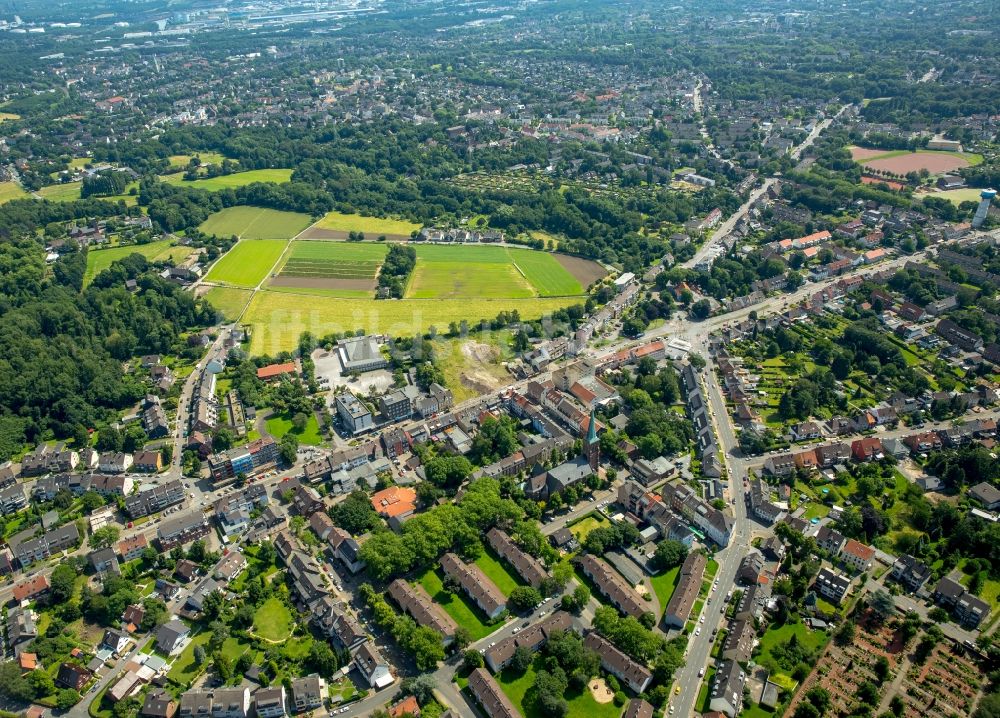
point(581, 705)
point(584, 526)
point(546, 274)
point(273, 621)
point(207, 158)
point(237, 179)
point(255, 223)
point(371, 226)
point(454, 280)
point(279, 318)
point(11, 190)
point(247, 264)
point(494, 569)
point(229, 301)
point(456, 605)
point(100, 259)
point(278, 426)
point(63, 192)
point(966, 194)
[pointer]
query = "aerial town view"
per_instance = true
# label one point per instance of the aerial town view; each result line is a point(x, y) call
point(466, 359)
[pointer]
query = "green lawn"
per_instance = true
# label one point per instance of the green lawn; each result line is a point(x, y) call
point(701, 703)
point(237, 179)
point(505, 580)
point(11, 190)
point(781, 634)
point(273, 621)
point(455, 605)
point(228, 300)
point(233, 648)
point(255, 223)
point(371, 226)
point(663, 586)
point(584, 526)
point(756, 711)
point(581, 705)
point(185, 667)
point(278, 426)
point(100, 259)
point(247, 263)
point(62, 192)
point(545, 273)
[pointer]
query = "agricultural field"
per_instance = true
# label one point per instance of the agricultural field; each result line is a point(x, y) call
point(255, 223)
point(248, 263)
point(11, 190)
point(336, 269)
point(278, 318)
point(4, 116)
point(546, 273)
point(337, 225)
point(228, 300)
point(442, 279)
point(237, 179)
point(100, 259)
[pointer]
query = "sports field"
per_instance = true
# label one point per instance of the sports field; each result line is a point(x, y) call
point(966, 194)
point(11, 190)
point(228, 300)
point(237, 179)
point(336, 269)
point(278, 318)
point(255, 223)
point(247, 264)
point(903, 161)
point(100, 259)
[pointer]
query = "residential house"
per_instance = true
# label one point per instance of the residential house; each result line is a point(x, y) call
point(491, 698)
point(171, 636)
point(832, 585)
point(610, 583)
point(308, 693)
point(627, 670)
point(270, 702)
point(372, 666)
point(483, 592)
point(725, 694)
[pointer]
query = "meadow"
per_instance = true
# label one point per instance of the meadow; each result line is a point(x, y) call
point(247, 263)
point(11, 190)
point(229, 301)
point(100, 259)
point(371, 226)
point(207, 158)
point(278, 318)
point(237, 179)
point(70, 192)
point(957, 196)
point(255, 223)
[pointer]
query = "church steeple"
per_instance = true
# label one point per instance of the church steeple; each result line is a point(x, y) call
point(592, 446)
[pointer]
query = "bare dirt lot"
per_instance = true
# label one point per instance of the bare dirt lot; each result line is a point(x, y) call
point(585, 271)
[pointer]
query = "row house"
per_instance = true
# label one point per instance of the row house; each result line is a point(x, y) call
point(611, 585)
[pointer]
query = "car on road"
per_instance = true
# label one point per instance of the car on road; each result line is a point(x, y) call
point(677, 689)
point(697, 631)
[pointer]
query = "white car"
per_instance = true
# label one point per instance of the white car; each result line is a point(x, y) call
point(697, 631)
point(516, 630)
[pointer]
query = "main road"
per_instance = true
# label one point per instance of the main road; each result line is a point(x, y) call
point(728, 225)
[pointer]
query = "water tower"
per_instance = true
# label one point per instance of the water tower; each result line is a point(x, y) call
point(987, 196)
